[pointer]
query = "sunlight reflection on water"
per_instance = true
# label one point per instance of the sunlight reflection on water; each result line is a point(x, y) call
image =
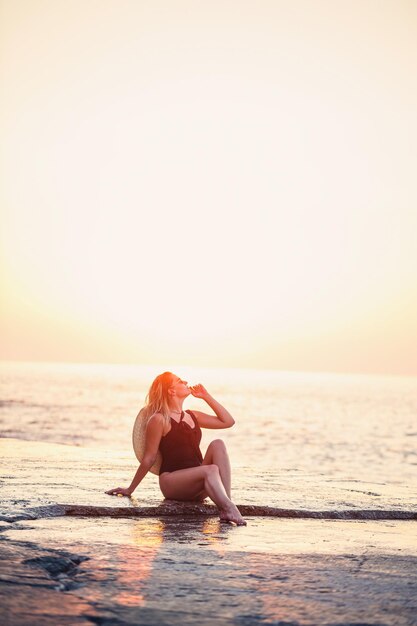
point(340, 425)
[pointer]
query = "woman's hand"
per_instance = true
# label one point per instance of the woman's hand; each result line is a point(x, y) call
point(115, 492)
point(198, 391)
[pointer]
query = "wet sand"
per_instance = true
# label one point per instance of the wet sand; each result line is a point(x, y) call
point(183, 565)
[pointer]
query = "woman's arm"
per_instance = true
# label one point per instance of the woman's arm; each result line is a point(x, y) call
point(222, 419)
point(154, 432)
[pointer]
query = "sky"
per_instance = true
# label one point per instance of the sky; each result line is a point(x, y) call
point(220, 184)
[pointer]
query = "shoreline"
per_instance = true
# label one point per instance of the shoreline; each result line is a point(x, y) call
point(173, 508)
point(70, 554)
point(59, 479)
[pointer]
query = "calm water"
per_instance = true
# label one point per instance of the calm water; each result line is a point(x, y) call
point(353, 427)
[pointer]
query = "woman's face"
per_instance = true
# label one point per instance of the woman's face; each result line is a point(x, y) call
point(180, 387)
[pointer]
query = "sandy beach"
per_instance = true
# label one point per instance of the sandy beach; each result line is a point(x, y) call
point(71, 554)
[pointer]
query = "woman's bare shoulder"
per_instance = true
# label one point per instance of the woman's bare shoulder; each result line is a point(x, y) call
point(156, 419)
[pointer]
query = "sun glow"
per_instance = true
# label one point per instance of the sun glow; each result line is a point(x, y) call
point(171, 192)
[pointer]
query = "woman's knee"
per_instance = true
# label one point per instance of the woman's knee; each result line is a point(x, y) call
point(211, 471)
point(218, 444)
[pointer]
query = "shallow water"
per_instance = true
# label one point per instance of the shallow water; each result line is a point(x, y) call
point(264, 535)
point(168, 571)
point(352, 427)
point(305, 443)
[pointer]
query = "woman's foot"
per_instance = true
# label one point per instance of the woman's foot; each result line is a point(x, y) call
point(232, 515)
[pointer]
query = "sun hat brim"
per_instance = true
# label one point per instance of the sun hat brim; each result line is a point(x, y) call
point(139, 440)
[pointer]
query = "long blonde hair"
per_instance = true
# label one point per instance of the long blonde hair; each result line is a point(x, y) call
point(157, 399)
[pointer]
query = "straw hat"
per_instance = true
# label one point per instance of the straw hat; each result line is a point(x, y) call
point(138, 440)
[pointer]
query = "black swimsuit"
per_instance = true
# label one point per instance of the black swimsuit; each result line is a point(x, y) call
point(180, 446)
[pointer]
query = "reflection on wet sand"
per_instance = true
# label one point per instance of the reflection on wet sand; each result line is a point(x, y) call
point(135, 565)
point(131, 580)
point(195, 566)
point(169, 569)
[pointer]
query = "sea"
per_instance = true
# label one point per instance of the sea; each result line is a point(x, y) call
point(338, 426)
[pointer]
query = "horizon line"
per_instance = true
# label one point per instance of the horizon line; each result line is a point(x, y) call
point(208, 367)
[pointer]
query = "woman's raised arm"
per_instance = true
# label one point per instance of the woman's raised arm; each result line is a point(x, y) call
point(222, 419)
point(154, 432)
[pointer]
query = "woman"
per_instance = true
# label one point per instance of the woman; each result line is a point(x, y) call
point(184, 473)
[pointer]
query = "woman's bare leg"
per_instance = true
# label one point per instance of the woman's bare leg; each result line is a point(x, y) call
point(217, 455)
point(188, 483)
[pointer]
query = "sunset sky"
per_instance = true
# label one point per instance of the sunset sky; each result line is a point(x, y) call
point(223, 183)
